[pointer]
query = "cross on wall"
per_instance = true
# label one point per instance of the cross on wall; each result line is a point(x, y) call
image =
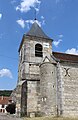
point(67, 72)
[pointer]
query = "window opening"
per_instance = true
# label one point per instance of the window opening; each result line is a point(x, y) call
point(38, 50)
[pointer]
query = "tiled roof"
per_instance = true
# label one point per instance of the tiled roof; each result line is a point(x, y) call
point(4, 100)
point(65, 57)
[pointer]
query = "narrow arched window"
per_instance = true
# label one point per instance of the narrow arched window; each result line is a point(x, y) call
point(38, 50)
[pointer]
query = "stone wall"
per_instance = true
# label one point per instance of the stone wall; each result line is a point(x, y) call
point(29, 70)
point(27, 59)
point(27, 51)
point(70, 88)
point(59, 90)
point(33, 97)
point(48, 89)
point(18, 100)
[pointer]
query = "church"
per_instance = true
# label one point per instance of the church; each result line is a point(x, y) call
point(47, 81)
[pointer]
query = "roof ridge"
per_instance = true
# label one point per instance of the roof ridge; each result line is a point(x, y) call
point(65, 57)
point(65, 53)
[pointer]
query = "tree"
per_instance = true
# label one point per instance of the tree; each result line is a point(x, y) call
point(11, 108)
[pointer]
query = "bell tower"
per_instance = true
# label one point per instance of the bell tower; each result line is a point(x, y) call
point(34, 47)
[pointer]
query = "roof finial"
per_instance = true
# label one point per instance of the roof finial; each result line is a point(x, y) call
point(35, 15)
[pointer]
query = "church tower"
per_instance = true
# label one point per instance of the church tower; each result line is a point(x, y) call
point(47, 81)
point(34, 47)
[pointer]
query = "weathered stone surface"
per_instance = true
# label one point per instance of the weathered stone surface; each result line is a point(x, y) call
point(70, 88)
point(46, 85)
point(28, 95)
point(48, 89)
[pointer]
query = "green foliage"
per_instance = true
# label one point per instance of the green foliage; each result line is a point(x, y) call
point(5, 92)
point(11, 108)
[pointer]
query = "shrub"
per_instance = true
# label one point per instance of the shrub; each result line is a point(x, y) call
point(11, 108)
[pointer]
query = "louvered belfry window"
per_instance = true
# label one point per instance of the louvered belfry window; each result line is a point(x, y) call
point(38, 50)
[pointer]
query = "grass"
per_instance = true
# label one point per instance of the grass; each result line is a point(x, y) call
point(50, 118)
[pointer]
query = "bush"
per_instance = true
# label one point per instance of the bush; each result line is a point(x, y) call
point(11, 108)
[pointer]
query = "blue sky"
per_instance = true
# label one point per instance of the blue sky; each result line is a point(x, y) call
point(58, 19)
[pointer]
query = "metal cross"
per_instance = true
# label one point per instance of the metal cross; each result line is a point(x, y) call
point(67, 74)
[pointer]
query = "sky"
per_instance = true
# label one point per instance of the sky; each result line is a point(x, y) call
point(57, 18)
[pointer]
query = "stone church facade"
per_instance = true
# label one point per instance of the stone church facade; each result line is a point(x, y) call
point(47, 80)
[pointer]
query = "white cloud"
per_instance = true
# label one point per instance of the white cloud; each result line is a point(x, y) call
point(13, 1)
point(72, 51)
point(26, 5)
point(43, 20)
point(21, 22)
point(60, 36)
point(6, 73)
point(28, 22)
point(42, 17)
point(0, 16)
point(56, 43)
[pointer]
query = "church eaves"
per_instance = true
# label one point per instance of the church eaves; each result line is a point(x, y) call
point(37, 31)
point(65, 57)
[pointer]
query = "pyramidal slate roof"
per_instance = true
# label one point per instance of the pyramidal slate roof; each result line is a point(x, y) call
point(36, 30)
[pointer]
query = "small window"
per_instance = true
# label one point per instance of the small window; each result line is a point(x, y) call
point(3, 106)
point(38, 50)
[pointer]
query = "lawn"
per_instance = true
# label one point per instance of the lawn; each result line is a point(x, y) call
point(50, 118)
